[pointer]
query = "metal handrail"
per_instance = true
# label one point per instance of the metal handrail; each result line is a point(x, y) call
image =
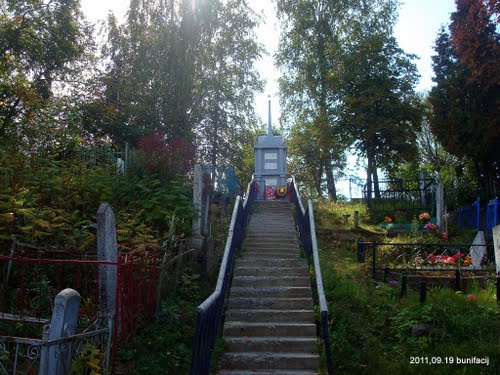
point(307, 231)
point(209, 317)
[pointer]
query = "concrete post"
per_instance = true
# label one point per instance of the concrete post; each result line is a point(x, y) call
point(440, 205)
point(496, 243)
point(197, 199)
point(421, 184)
point(107, 251)
point(56, 359)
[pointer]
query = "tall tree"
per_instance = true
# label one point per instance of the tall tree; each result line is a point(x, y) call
point(466, 97)
point(380, 108)
point(184, 69)
point(308, 55)
point(227, 81)
point(39, 42)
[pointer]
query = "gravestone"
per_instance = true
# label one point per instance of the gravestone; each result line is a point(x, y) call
point(496, 243)
point(440, 208)
point(55, 359)
point(421, 182)
point(197, 199)
point(120, 166)
point(270, 162)
point(478, 249)
point(107, 251)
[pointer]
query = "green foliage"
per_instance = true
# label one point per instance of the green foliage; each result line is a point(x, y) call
point(52, 202)
point(330, 214)
point(88, 361)
point(309, 56)
point(371, 327)
point(40, 42)
point(164, 347)
point(465, 99)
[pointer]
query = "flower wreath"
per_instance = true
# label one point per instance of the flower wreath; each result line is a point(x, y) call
point(281, 191)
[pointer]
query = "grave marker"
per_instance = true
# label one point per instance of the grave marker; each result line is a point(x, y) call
point(440, 206)
point(478, 249)
point(496, 242)
point(107, 251)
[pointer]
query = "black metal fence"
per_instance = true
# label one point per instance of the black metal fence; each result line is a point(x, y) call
point(304, 219)
point(401, 194)
point(209, 319)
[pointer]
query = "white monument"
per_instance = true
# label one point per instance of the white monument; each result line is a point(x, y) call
point(270, 162)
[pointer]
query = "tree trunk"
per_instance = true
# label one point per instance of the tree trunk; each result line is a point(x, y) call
point(330, 183)
point(318, 177)
point(376, 186)
point(369, 177)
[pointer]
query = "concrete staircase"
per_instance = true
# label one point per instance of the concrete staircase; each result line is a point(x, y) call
point(269, 326)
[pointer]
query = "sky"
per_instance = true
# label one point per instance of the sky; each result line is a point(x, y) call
point(416, 30)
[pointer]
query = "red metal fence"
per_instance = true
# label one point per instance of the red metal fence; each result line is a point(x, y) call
point(31, 277)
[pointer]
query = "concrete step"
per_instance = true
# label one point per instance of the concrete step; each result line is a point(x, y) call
point(270, 292)
point(271, 254)
point(272, 271)
point(257, 281)
point(272, 344)
point(280, 316)
point(272, 250)
point(272, 236)
point(275, 263)
point(287, 329)
point(270, 230)
point(270, 245)
point(265, 360)
point(270, 303)
point(266, 241)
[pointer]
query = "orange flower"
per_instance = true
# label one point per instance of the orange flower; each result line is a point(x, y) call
point(387, 219)
point(424, 216)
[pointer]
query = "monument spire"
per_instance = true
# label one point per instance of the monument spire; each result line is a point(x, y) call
point(269, 122)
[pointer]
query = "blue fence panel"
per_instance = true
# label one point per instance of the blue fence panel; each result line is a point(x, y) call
point(223, 179)
point(491, 216)
point(470, 216)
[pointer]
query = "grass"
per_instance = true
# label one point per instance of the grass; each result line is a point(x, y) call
point(164, 346)
point(371, 327)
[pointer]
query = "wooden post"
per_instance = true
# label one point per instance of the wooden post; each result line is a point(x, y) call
point(423, 291)
point(458, 280)
point(361, 251)
point(404, 282)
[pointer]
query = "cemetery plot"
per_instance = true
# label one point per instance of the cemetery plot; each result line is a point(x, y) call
point(452, 265)
point(401, 195)
point(30, 278)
